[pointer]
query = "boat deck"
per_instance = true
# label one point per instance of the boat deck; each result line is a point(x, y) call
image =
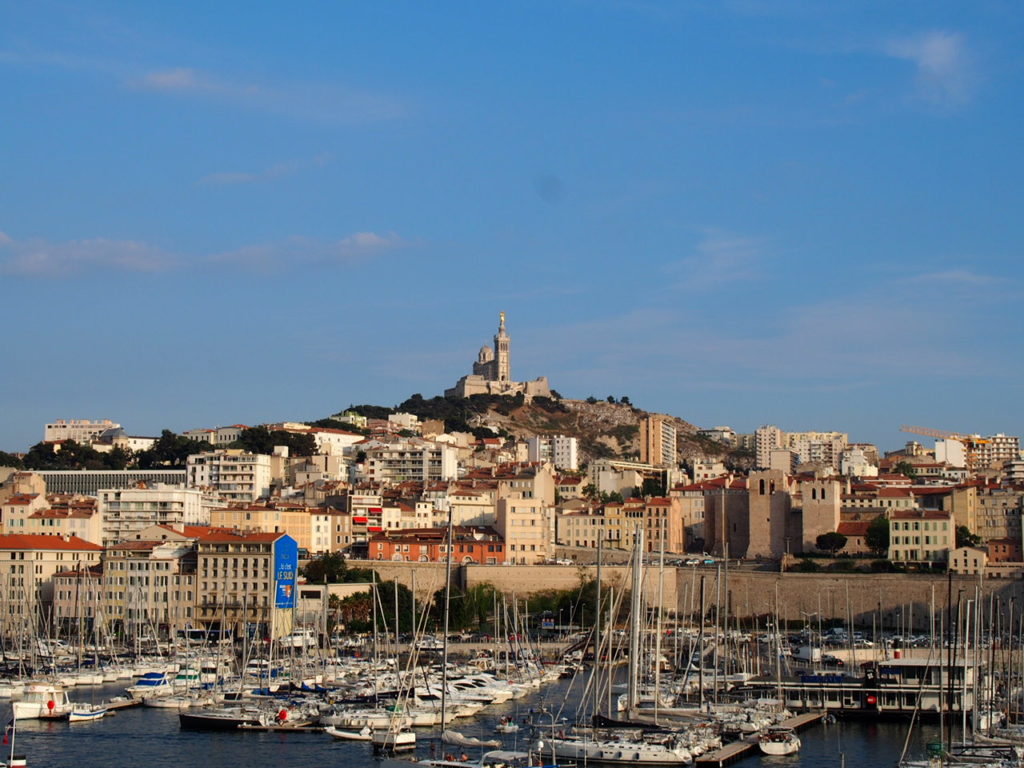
point(301, 728)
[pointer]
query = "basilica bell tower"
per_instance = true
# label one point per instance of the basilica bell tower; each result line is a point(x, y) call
point(502, 358)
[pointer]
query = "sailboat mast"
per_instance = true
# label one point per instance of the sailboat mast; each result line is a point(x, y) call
point(596, 678)
point(634, 625)
point(447, 601)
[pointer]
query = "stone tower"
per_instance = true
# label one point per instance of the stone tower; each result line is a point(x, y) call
point(502, 344)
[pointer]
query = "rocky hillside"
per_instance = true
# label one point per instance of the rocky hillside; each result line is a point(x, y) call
point(605, 428)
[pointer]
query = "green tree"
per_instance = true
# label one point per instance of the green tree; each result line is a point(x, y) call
point(877, 537)
point(964, 537)
point(66, 455)
point(653, 486)
point(830, 542)
point(10, 460)
point(905, 468)
point(170, 450)
point(263, 440)
point(326, 569)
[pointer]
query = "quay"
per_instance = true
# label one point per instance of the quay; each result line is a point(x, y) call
point(730, 753)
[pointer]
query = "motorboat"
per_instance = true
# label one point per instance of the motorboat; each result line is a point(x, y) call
point(81, 713)
point(362, 735)
point(41, 701)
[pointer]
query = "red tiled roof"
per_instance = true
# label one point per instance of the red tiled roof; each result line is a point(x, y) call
point(40, 541)
point(853, 529)
point(21, 499)
point(232, 537)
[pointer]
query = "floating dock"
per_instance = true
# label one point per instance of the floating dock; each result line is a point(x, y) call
point(730, 753)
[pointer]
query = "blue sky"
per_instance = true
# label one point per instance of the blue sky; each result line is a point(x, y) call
point(738, 212)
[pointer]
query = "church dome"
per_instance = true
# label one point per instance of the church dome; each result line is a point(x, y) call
point(486, 354)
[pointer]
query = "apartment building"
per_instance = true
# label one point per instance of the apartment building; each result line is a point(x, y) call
point(246, 581)
point(920, 535)
point(78, 600)
point(823, 448)
point(218, 436)
point(82, 431)
point(412, 459)
point(149, 586)
point(658, 441)
point(526, 525)
point(27, 566)
point(277, 517)
point(17, 508)
point(559, 450)
point(664, 527)
point(126, 511)
point(470, 544)
point(234, 474)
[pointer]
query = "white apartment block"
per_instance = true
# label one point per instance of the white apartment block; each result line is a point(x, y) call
point(707, 469)
point(809, 447)
point(80, 430)
point(233, 473)
point(560, 450)
point(817, 447)
point(413, 459)
point(126, 511)
point(767, 438)
point(998, 450)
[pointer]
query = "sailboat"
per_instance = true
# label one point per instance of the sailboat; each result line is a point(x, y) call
point(779, 740)
point(621, 746)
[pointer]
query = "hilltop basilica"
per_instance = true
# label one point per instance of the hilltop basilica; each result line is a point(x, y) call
point(492, 373)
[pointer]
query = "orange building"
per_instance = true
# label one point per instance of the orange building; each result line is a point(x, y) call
point(470, 544)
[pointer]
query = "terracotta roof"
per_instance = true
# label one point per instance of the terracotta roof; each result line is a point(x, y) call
point(20, 499)
point(135, 545)
point(894, 493)
point(40, 541)
point(232, 537)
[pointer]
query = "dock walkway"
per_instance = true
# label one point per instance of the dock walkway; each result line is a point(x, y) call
point(730, 753)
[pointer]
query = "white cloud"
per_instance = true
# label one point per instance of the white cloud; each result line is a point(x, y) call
point(321, 102)
point(943, 67)
point(38, 257)
point(302, 250)
point(179, 79)
point(955, 277)
point(721, 257)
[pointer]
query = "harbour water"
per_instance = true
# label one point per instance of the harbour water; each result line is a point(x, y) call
point(151, 738)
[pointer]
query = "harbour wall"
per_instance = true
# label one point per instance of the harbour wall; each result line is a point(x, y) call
point(908, 601)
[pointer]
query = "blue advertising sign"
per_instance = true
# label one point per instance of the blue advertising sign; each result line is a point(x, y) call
point(286, 564)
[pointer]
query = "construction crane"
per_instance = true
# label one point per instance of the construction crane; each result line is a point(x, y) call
point(972, 443)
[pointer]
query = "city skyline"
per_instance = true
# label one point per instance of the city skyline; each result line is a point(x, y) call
point(742, 213)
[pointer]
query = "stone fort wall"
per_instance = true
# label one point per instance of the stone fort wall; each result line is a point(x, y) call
point(862, 598)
